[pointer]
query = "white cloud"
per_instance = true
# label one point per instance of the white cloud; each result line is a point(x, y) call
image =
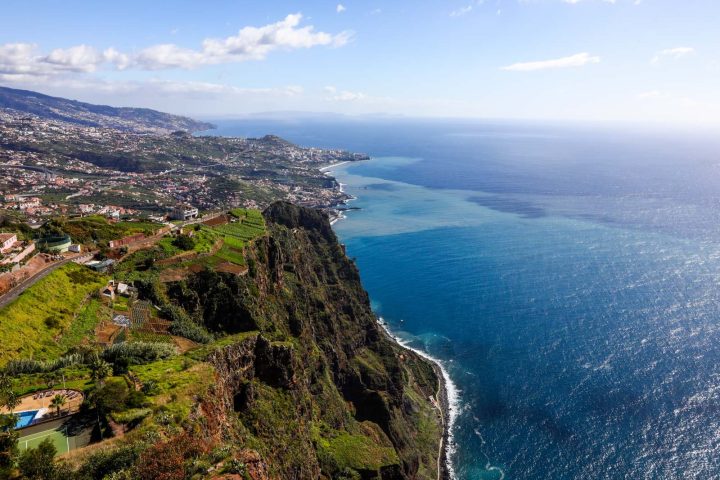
point(250, 43)
point(340, 8)
point(25, 60)
point(461, 11)
point(81, 58)
point(120, 60)
point(336, 95)
point(672, 53)
point(155, 86)
point(577, 60)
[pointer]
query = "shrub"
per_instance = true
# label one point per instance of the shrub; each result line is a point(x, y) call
point(184, 242)
point(37, 463)
point(183, 326)
point(52, 322)
point(150, 388)
point(29, 366)
point(166, 460)
point(191, 331)
point(131, 416)
point(138, 352)
point(108, 462)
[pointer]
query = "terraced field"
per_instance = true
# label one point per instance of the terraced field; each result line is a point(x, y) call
point(246, 226)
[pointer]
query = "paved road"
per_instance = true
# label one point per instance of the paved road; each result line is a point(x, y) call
point(15, 292)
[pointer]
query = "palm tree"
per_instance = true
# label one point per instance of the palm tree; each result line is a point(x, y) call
point(58, 402)
point(99, 369)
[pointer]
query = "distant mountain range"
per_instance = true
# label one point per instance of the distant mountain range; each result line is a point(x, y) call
point(138, 120)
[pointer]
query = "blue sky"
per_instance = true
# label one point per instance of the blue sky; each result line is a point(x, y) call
point(628, 60)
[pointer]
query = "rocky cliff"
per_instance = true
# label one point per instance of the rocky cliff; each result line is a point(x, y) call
point(300, 382)
point(314, 387)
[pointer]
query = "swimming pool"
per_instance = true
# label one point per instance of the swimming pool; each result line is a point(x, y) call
point(25, 418)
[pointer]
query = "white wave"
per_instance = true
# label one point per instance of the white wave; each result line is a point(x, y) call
point(451, 391)
point(330, 167)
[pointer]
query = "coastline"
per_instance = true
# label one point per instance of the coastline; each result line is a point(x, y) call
point(327, 168)
point(334, 212)
point(446, 398)
point(445, 401)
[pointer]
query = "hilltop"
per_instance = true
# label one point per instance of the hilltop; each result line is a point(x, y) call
point(138, 120)
point(283, 371)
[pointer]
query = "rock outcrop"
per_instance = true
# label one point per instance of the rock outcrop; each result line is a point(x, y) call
point(316, 389)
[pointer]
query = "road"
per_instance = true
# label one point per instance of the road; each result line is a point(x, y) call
point(7, 298)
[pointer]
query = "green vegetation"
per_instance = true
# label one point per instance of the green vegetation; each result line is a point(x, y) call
point(184, 242)
point(176, 381)
point(38, 462)
point(96, 229)
point(231, 255)
point(293, 376)
point(138, 352)
point(36, 323)
point(83, 327)
point(358, 452)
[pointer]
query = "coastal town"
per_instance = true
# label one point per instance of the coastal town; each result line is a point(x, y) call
point(52, 168)
point(164, 290)
point(141, 185)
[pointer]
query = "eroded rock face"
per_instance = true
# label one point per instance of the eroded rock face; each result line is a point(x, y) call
point(316, 388)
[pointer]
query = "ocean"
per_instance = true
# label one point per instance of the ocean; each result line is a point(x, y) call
point(567, 277)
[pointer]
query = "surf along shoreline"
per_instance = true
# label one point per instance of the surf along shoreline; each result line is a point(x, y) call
point(446, 398)
point(445, 401)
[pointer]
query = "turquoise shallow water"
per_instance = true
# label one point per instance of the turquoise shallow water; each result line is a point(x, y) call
point(582, 350)
point(568, 280)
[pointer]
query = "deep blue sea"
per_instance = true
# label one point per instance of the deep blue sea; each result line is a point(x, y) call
point(568, 278)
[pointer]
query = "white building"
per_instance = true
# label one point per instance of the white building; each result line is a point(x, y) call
point(7, 240)
point(184, 212)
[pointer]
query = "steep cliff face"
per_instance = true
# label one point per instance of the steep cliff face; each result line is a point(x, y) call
point(313, 387)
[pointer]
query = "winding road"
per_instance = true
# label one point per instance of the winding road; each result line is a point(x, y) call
point(10, 296)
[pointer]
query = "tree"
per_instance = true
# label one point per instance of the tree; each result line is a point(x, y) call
point(38, 463)
point(8, 444)
point(99, 369)
point(58, 402)
point(5, 383)
point(8, 398)
point(51, 379)
point(184, 242)
point(111, 396)
point(11, 400)
point(8, 434)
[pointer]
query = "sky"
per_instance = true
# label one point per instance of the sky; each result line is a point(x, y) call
point(597, 60)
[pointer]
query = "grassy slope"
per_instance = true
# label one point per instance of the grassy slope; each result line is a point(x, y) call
point(86, 230)
point(41, 322)
point(278, 419)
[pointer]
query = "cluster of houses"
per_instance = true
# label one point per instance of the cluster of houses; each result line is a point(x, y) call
point(114, 288)
point(12, 250)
